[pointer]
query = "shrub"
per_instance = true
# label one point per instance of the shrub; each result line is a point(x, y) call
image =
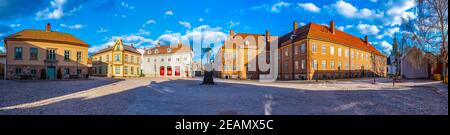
point(43, 74)
point(59, 74)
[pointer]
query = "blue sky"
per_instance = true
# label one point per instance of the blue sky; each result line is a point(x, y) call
point(144, 22)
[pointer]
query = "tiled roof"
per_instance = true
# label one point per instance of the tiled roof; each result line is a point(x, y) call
point(126, 47)
point(245, 35)
point(44, 36)
point(321, 32)
point(164, 49)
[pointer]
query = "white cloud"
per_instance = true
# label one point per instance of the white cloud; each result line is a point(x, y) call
point(276, 8)
point(142, 32)
point(349, 26)
point(123, 16)
point(102, 30)
point(15, 25)
point(341, 28)
point(374, 1)
point(137, 41)
point(385, 47)
point(200, 19)
point(127, 6)
point(75, 26)
point(54, 12)
point(399, 10)
point(349, 11)
point(389, 32)
point(206, 10)
point(309, 7)
point(185, 24)
point(150, 22)
point(232, 24)
point(368, 29)
point(170, 12)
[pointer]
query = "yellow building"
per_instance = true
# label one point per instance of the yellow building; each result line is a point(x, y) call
point(119, 60)
point(239, 58)
point(33, 54)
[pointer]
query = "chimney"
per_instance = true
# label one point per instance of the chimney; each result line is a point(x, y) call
point(231, 33)
point(332, 28)
point(132, 45)
point(48, 27)
point(295, 25)
point(366, 40)
point(267, 36)
point(158, 45)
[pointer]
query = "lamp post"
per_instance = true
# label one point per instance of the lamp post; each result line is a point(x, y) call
point(374, 67)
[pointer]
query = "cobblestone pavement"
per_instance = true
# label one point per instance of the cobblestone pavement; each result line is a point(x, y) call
point(187, 96)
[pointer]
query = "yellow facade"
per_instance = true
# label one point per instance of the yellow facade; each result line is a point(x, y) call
point(28, 65)
point(118, 61)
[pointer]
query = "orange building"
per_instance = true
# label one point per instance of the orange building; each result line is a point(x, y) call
point(317, 51)
point(239, 58)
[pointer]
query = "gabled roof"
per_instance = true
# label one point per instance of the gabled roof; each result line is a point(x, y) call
point(321, 32)
point(129, 48)
point(164, 49)
point(45, 36)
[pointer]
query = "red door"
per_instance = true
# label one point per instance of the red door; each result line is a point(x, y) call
point(177, 71)
point(169, 71)
point(161, 71)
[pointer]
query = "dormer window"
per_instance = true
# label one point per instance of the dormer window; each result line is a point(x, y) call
point(246, 43)
point(149, 51)
point(169, 50)
point(156, 51)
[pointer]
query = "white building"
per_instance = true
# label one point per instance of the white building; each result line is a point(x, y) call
point(168, 61)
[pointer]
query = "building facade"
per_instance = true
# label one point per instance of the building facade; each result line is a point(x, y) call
point(30, 53)
point(168, 61)
point(315, 51)
point(239, 56)
point(119, 60)
point(2, 66)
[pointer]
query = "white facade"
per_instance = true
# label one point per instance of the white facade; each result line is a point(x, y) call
point(169, 64)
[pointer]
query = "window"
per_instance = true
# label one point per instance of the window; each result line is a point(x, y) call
point(125, 70)
point(314, 63)
point(339, 52)
point(126, 58)
point(117, 47)
point(33, 53)
point(346, 66)
point(107, 58)
point(162, 59)
point(324, 49)
point(303, 64)
point(339, 65)
point(132, 70)
point(353, 67)
point(296, 65)
point(286, 52)
point(78, 71)
point(324, 65)
point(169, 59)
point(346, 53)
point(100, 70)
point(352, 54)
point(79, 56)
point(137, 71)
point(117, 70)
point(332, 65)
point(117, 57)
point(33, 72)
point(66, 55)
point(367, 56)
point(100, 59)
point(314, 48)
point(132, 59)
point(331, 50)
point(362, 56)
point(357, 55)
point(51, 54)
point(169, 50)
point(302, 48)
point(66, 71)
point(19, 71)
point(18, 53)
point(296, 50)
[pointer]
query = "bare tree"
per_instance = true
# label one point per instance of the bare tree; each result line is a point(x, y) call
point(429, 30)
